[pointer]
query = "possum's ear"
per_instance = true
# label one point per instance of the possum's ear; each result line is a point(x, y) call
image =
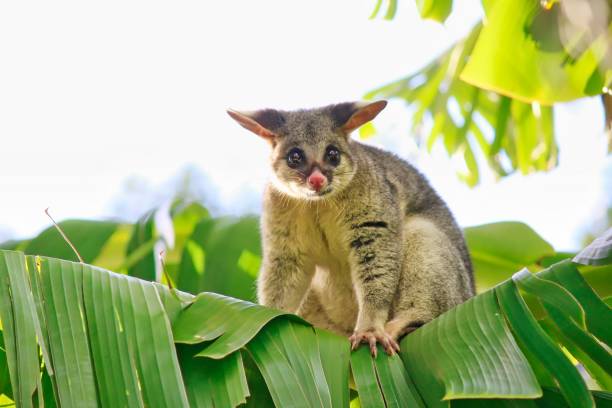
point(350, 116)
point(264, 122)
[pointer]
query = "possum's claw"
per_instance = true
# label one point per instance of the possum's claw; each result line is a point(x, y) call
point(373, 336)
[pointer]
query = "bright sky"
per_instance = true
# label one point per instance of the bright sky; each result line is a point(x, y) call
point(92, 93)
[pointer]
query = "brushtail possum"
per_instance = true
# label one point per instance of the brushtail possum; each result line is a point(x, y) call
point(355, 240)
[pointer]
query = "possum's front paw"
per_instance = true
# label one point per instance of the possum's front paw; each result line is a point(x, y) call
point(373, 336)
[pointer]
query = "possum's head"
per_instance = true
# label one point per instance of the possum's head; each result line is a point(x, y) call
point(311, 149)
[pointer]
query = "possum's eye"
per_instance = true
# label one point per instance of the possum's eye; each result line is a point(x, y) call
point(295, 157)
point(332, 155)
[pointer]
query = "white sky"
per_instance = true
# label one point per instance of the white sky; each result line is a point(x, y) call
point(92, 93)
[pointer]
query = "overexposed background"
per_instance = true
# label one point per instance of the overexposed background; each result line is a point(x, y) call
point(105, 107)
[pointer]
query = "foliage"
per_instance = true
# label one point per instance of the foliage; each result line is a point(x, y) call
point(200, 253)
point(258, 354)
point(493, 91)
point(436, 91)
point(223, 254)
point(170, 348)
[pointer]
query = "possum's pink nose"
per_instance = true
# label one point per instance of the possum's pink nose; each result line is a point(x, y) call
point(316, 180)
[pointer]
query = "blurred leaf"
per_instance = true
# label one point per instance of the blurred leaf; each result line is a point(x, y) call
point(598, 277)
point(532, 147)
point(112, 253)
point(87, 236)
point(500, 249)
point(512, 57)
point(472, 176)
point(510, 134)
point(391, 9)
point(249, 263)
point(555, 258)
point(437, 10)
point(6, 402)
point(501, 124)
point(185, 217)
point(221, 256)
point(141, 258)
point(14, 245)
point(367, 130)
point(376, 9)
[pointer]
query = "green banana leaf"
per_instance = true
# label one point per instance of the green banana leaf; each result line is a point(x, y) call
point(535, 52)
point(502, 248)
point(17, 313)
point(90, 236)
point(60, 319)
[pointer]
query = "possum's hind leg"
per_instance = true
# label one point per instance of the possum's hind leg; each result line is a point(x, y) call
point(433, 278)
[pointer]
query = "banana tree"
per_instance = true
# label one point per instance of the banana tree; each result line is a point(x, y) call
point(78, 335)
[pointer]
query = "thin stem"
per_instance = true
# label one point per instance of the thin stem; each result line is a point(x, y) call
point(163, 266)
point(64, 235)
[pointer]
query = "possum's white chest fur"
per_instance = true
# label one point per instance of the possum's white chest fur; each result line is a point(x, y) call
point(324, 244)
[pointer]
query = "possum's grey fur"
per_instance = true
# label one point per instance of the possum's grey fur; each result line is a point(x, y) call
point(377, 252)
